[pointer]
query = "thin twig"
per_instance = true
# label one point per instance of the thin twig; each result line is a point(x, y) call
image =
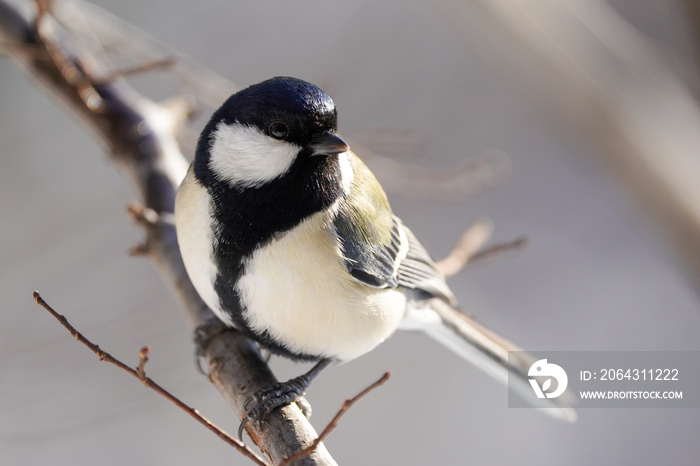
point(139, 374)
point(143, 215)
point(470, 242)
point(498, 249)
point(334, 422)
point(143, 359)
point(76, 77)
point(147, 218)
point(139, 250)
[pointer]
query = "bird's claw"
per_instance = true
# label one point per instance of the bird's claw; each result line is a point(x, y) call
point(273, 397)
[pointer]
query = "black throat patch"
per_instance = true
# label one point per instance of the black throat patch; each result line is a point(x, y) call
point(249, 218)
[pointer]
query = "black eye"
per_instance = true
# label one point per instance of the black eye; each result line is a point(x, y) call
point(278, 130)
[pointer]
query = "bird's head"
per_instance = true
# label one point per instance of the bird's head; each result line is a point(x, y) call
point(260, 133)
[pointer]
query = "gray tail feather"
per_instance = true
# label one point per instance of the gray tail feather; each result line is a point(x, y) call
point(485, 349)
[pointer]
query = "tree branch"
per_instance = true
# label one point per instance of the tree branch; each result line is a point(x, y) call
point(334, 422)
point(140, 374)
point(142, 137)
point(139, 135)
point(470, 242)
point(469, 248)
point(497, 250)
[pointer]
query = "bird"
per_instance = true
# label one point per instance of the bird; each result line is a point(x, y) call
point(289, 238)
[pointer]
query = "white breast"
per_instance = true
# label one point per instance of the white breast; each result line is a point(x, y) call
point(298, 289)
point(194, 236)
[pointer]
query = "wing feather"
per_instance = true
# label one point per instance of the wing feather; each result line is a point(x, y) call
point(379, 250)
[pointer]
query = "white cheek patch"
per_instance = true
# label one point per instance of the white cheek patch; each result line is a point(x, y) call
point(245, 157)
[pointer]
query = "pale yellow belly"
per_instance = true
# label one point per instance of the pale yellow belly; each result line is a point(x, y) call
point(299, 291)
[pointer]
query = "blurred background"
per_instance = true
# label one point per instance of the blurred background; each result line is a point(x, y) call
point(594, 103)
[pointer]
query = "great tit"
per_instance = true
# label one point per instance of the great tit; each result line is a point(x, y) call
point(289, 238)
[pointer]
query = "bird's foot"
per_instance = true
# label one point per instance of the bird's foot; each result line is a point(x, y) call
point(273, 397)
point(281, 394)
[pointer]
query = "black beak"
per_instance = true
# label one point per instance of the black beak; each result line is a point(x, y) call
point(327, 144)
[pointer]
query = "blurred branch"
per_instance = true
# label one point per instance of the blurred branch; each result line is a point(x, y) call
point(105, 35)
point(469, 249)
point(498, 250)
point(108, 37)
point(140, 136)
point(603, 78)
point(140, 374)
point(469, 177)
point(141, 68)
point(470, 242)
point(68, 47)
point(693, 9)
